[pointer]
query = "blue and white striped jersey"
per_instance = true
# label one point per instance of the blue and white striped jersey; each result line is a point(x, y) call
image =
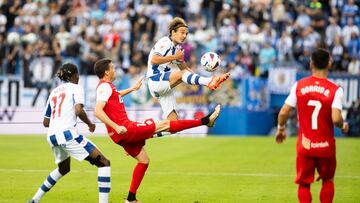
point(163, 47)
point(60, 109)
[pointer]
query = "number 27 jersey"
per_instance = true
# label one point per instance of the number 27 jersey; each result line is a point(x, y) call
point(315, 98)
point(60, 107)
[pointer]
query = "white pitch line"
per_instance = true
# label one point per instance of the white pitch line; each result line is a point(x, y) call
point(178, 173)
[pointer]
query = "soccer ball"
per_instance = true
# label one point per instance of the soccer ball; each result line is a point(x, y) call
point(210, 61)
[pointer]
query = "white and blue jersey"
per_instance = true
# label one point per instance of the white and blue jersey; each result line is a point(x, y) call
point(60, 109)
point(62, 134)
point(163, 47)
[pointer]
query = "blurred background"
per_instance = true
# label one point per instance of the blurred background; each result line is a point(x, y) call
point(265, 45)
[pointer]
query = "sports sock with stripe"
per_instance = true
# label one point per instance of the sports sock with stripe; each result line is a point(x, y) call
point(104, 184)
point(195, 79)
point(50, 181)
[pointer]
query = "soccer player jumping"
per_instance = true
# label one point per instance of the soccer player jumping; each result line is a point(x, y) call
point(319, 105)
point(131, 135)
point(167, 69)
point(64, 105)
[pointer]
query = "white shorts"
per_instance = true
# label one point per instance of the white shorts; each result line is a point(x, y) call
point(78, 148)
point(160, 89)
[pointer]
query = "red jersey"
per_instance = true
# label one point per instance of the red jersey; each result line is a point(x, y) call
point(114, 107)
point(315, 98)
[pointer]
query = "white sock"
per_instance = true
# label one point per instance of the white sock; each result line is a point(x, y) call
point(195, 79)
point(50, 181)
point(104, 184)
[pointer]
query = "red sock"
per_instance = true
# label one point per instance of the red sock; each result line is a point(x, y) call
point(327, 192)
point(304, 193)
point(179, 125)
point(138, 174)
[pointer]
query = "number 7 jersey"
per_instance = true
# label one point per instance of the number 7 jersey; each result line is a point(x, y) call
point(60, 107)
point(315, 98)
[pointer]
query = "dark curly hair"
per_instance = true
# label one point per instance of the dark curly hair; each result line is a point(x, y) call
point(66, 71)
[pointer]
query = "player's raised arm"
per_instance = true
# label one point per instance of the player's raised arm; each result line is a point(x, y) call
point(133, 88)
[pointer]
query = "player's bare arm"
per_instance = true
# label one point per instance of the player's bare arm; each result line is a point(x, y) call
point(46, 122)
point(133, 88)
point(338, 120)
point(158, 59)
point(80, 112)
point(101, 115)
point(282, 118)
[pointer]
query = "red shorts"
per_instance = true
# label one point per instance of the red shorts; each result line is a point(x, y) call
point(134, 139)
point(306, 165)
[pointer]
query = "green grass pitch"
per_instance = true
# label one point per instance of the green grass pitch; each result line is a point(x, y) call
point(182, 170)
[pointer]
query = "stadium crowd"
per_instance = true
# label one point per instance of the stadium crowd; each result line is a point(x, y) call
point(36, 36)
point(252, 35)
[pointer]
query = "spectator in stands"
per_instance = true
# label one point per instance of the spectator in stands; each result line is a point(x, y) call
point(267, 58)
point(278, 13)
point(283, 46)
point(2, 53)
point(42, 68)
point(354, 66)
point(3, 21)
point(350, 10)
point(303, 19)
point(337, 52)
point(353, 117)
point(332, 31)
point(347, 30)
point(354, 45)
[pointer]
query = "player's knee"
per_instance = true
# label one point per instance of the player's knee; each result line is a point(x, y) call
point(105, 161)
point(163, 125)
point(98, 161)
point(64, 170)
point(145, 160)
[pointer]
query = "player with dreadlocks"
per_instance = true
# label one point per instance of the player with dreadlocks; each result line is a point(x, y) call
point(64, 105)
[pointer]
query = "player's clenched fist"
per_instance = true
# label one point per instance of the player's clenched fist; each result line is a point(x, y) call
point(120, 129)
point(92, 127)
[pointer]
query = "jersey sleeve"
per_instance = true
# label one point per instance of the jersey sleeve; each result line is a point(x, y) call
point(78, 95)
point(161, 47)
point(103, 92)
point(47, 110)
point(337, 102)
point(291, 100)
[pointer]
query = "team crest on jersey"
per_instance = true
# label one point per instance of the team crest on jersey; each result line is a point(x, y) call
point(149, 122)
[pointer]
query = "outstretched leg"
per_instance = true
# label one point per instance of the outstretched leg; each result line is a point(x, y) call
point(188, 77)
point(51, 180)
point(179, 125)
point(138, 174)
point(98, 159)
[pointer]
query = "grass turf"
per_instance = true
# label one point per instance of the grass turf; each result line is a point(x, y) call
point(182, 170)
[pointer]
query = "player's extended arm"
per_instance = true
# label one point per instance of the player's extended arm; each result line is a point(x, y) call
point(133, 88)
point(158, 59)
point(338, 120)
point(282, 118)
point(80, 112)
point(101, 115)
